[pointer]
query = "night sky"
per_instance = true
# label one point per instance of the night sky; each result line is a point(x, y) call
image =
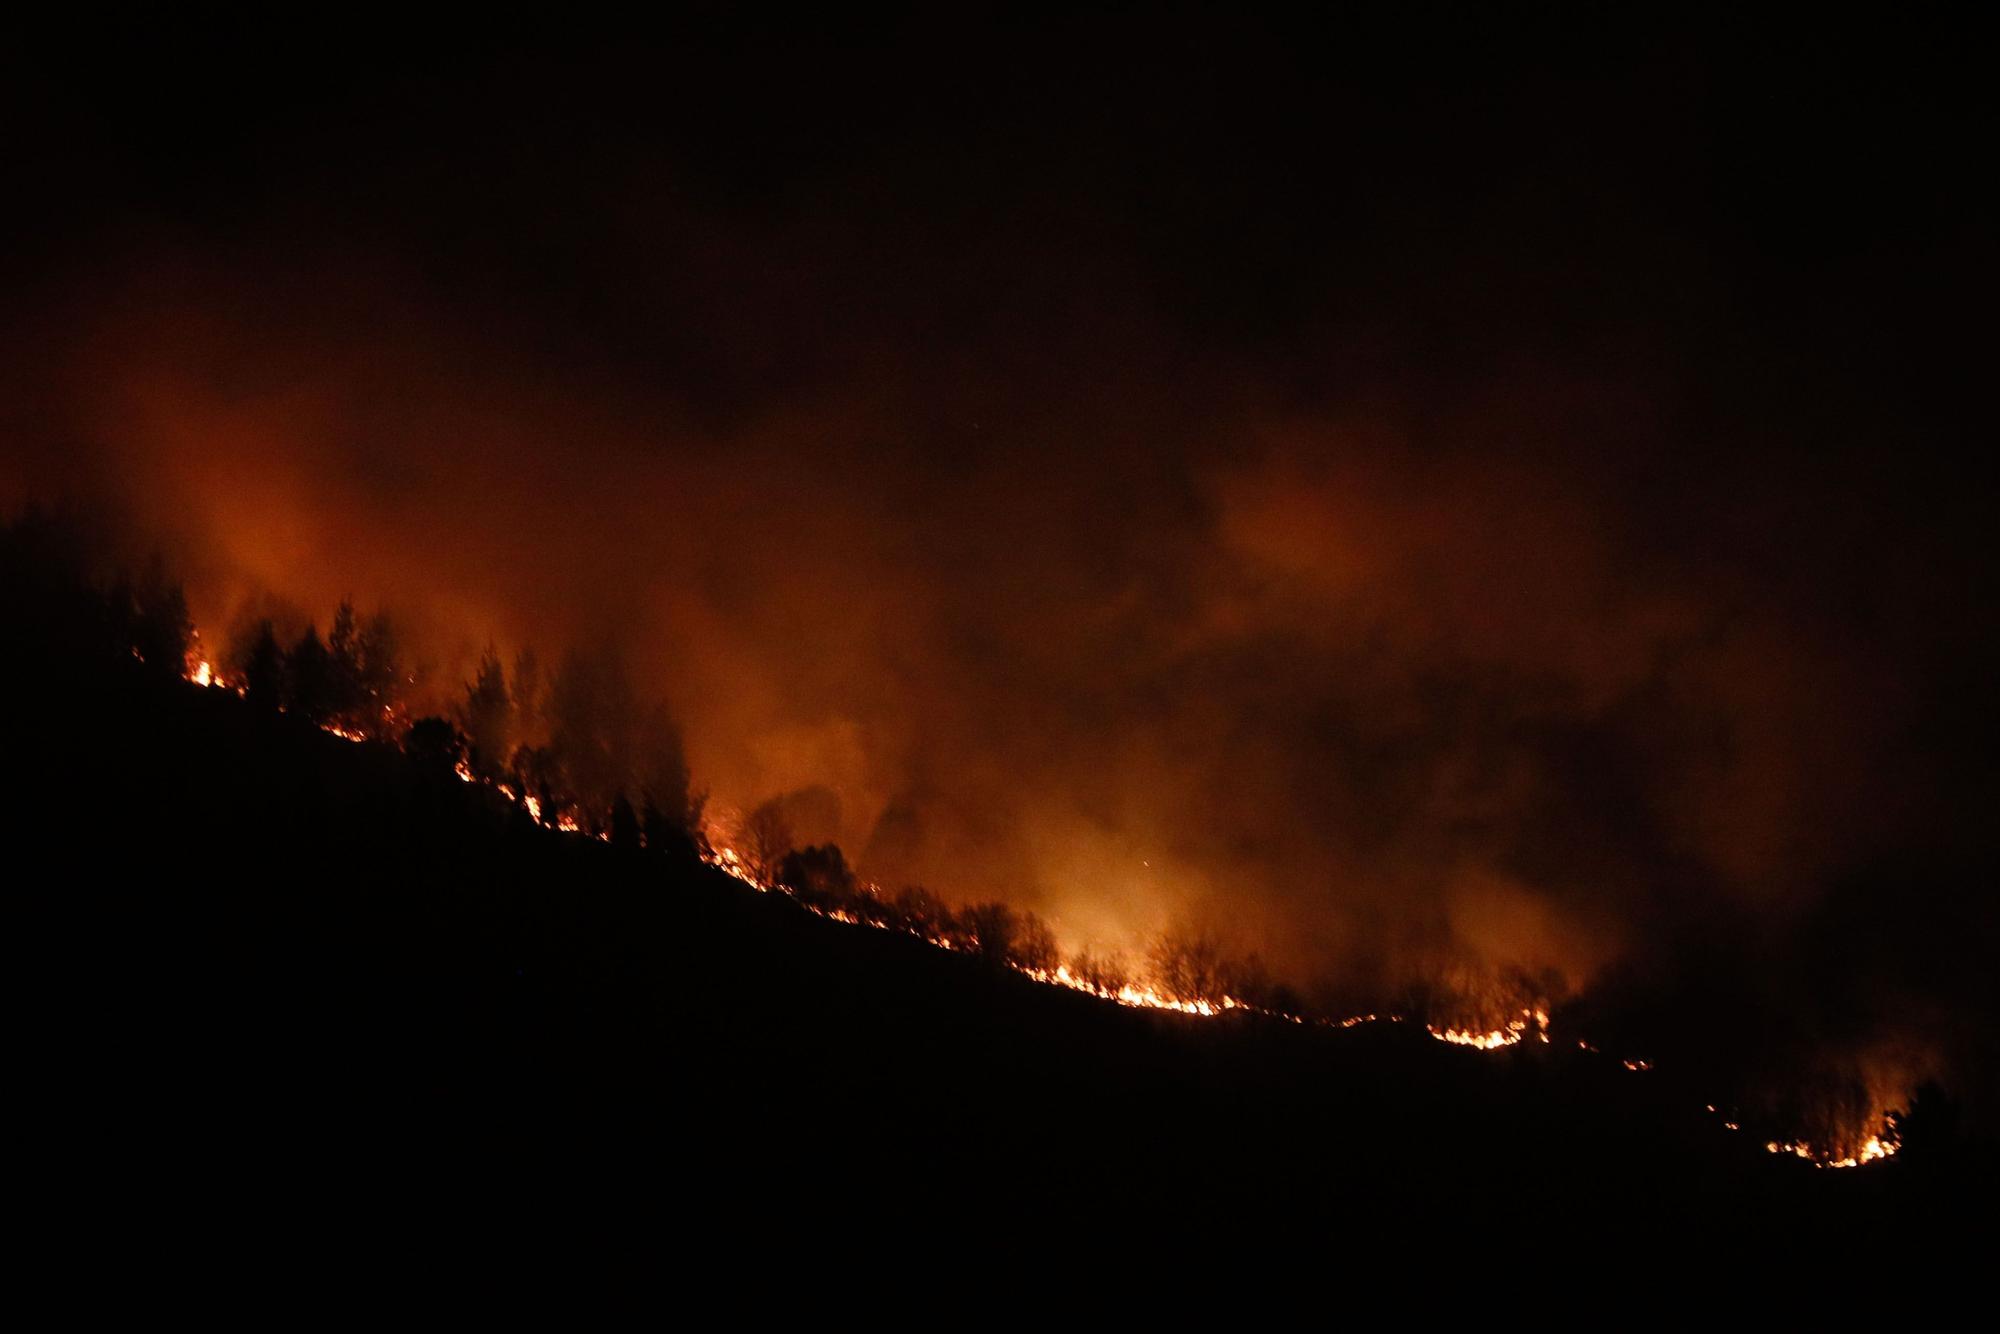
point(1434, 503)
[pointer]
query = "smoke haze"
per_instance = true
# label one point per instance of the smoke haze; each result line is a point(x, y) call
point(1428, 526)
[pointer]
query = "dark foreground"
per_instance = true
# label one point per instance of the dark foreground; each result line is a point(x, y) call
point(288, 997)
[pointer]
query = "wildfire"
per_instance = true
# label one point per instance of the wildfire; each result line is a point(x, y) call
point(1873, 1149)
point(1530, 1020)
point(1143, 997)
point(728, 860)
point(1516, 1030)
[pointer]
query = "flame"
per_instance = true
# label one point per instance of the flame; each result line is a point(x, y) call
point(1516, 1030)
point(1877, 1147)
point(1143, 997)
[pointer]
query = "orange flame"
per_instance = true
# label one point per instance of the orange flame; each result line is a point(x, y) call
point(1877, 1147)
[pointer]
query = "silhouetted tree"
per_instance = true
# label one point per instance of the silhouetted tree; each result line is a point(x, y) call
point(624, 824)
point(1929, 1131)
point(819, 875)
point(1187, 967)
point(767, 837)
point(487, 718)
point(347, 697)
point(264, 670)
point(380, 674)
point(663, 775)
point(1035, 945)
point(665, 836)
point(530, 708)
point(990, 930)
point(1104, 972)
point(534, 773)
point(591, 717)
point(161, 627)
point(1248, 980)
point(309, 678)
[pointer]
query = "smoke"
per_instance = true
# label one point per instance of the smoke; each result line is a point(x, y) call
point(1408, 648)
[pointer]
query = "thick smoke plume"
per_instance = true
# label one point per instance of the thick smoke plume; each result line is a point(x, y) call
point(1402, 635)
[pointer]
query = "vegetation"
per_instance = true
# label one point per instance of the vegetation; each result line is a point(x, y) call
point(341, 964)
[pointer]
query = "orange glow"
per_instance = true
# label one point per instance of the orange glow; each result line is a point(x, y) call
point(1142, 993)
point(1534, 1021)
point(1883, 1144)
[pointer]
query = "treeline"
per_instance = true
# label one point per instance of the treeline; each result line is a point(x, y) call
point(575, 747)
point(1189, 968)
point(60, 608)
point(350, 680)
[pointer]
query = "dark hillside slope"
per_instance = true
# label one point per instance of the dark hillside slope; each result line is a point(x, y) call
point(283, 986)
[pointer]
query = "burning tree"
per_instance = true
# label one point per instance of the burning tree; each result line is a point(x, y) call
point(767, 836)
point(1035, 947)
point(920, 912)
point(624, 825)
point(1188, 967)
point(161, 629)
point(1106, 974)
point(486, 716)
point(309, 682)
point(989, 930)
point(673, 808)
point(264, 670)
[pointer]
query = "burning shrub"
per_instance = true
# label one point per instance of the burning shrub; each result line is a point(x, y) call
point(989, 930)
point(1035, 947)
point(487, 717)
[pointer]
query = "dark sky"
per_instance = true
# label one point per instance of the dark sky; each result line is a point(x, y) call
point(1441, 500)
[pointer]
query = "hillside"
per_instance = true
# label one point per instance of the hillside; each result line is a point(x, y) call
point(311, 983)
